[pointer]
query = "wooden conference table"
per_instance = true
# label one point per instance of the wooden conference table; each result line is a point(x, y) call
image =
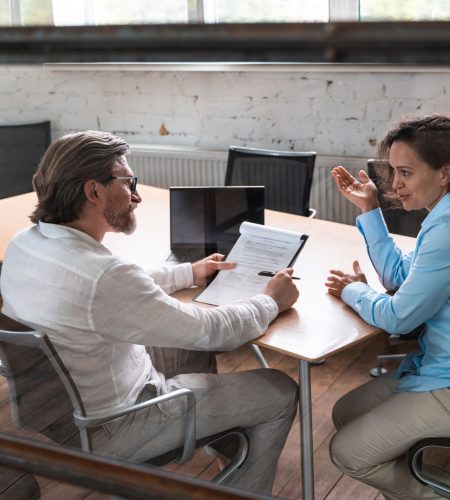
point(318, 326)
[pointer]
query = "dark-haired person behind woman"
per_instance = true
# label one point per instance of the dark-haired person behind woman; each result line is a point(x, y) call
point(380, 420)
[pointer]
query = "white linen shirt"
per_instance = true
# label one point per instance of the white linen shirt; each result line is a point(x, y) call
point(100, 312)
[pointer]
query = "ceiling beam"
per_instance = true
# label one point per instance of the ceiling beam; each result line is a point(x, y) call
point(344, 42)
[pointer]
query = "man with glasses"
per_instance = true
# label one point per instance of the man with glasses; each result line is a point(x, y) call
point(120, 334)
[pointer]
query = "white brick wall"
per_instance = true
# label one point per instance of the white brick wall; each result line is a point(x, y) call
point(334, 113)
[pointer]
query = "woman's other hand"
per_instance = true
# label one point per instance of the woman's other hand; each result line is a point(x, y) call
point(362, 193)
point(339, 280)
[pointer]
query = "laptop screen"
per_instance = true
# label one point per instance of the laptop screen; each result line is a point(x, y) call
point(209, 217)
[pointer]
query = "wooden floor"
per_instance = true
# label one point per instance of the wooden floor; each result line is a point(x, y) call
point(337, 376)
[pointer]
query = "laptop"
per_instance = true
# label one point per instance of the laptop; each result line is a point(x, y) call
point(205, 219)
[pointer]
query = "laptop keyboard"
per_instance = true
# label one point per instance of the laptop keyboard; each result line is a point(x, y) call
point(188, 255)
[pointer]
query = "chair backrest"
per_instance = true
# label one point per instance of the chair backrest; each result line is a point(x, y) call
point(287, 176)
point(43, 395)
point(397, 219)
point(21, 149)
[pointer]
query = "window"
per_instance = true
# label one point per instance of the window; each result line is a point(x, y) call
point(265, 11)
point(406, 10)
point(95, 12)
point(4, 13)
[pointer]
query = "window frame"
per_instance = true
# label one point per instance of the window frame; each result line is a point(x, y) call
point(343, 10)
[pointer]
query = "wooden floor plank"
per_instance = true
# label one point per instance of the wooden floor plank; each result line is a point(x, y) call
point(349, 489)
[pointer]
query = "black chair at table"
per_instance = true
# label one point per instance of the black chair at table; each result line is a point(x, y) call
point(21, 149)
point(44, 399)
point(398, 221)
point(286, 175)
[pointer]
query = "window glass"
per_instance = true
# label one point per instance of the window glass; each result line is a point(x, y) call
point(139, 11)
point(5, 18)
point(69, 12)
point(36, 12)
point(249, 11)
point(406, 10)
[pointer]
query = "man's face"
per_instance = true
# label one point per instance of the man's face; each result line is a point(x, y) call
point(121, 203)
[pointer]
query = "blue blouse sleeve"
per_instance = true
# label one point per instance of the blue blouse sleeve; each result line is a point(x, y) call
point(390, 263)
point(423, 291)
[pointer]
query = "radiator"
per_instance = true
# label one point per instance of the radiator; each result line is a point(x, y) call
point(165, 167)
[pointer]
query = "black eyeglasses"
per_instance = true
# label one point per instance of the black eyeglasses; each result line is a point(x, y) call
point(131, 178)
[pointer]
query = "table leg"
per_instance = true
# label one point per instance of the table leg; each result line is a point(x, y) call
point(305, 413)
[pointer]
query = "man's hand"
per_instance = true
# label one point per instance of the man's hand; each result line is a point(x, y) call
point(339, 280)
point(362, 193)
point(282, 289)
point(205, 268)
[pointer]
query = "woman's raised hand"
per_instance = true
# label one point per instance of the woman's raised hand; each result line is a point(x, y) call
point(362, 193)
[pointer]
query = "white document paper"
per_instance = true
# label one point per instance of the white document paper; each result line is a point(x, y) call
point(258, 248)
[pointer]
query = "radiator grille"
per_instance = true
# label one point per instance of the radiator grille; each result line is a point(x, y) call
point(163, 168)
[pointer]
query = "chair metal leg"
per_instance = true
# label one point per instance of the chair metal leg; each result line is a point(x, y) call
point(259, 356)
point(3, 370)
point(379, 370)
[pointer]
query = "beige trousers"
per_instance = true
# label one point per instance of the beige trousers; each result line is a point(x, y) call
point(377, 426)
point(263, 402)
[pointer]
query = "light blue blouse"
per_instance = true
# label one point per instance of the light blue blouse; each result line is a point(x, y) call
point(422, 281)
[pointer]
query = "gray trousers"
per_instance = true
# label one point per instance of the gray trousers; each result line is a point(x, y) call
point(377, 426)
point(262, 401)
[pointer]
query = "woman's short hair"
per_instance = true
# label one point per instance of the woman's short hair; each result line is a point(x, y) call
point(428, 136)
point(67, 164)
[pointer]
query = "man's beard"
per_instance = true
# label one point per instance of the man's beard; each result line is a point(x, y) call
point(122, 222)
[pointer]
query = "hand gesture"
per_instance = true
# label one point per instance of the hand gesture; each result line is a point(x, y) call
point(339, 280)
point(363, 194)
point(205, 268)
point(282, 289)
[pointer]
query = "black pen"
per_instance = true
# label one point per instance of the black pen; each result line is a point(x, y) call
point(271, 274)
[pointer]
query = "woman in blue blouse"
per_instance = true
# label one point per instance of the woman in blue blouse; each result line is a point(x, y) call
point(380, 420)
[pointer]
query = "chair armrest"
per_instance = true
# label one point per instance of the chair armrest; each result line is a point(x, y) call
point(438, 480)
point(190, 432)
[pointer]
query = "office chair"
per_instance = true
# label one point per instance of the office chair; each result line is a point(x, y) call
point(15, 483)
point(34, 371)
point(395, 340)
point(436, 476)
point(398, 221)
point(287, 176)
point(21, 149)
